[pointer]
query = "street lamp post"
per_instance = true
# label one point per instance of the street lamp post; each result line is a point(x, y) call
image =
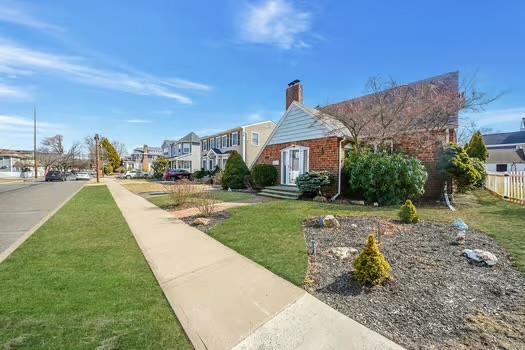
point(97, 138)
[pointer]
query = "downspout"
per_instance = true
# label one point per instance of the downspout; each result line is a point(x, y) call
point(244, 144)
point(334, 197)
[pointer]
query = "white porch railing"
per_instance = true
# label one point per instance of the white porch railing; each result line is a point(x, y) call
point(509, 185)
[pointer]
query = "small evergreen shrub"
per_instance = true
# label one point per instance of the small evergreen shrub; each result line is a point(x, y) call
point(264, 175)
point(408, 213)
point(476, 147)
point(371, 267)
point(385, 178)
point(235, 172)
point(160, 165)
point(468, 172)
point(199, 174)
point(314, 182)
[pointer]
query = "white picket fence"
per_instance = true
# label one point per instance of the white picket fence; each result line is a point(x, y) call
point(510, 185)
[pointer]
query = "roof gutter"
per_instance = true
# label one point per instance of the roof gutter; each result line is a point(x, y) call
point(340, 170)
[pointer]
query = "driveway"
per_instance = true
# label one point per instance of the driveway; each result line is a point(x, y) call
point(23, 205)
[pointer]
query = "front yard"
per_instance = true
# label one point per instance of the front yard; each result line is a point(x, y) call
point(271, 233)
point(81, 282)
point(436, 298)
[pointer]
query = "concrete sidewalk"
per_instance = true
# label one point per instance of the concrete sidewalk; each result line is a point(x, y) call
point(224, 300)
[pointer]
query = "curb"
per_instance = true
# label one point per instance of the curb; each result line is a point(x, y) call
point(5, 254)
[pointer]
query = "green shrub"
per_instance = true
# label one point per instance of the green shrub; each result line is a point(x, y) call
point(160, 165)
point(235, 172)
point(385, 178)
point(408, 213)
point(264, 175)
point(199, 174)
point(454, 162)
point(480, 167)
point(314, 182)
point(476, 147)
point(371, 267)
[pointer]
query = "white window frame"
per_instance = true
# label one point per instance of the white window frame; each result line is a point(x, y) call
point(258, 138)
point(186, 150)
point(224, 141)
point(238, 141)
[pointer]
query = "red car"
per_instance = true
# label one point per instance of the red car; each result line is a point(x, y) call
point(176, 174)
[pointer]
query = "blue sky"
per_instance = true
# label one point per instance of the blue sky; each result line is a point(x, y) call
point(144, 71)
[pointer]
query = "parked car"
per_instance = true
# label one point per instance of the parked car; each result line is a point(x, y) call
point(83, 176)
point(176, 174)
point(133, 174)
point(70, 175)
point(55, 175)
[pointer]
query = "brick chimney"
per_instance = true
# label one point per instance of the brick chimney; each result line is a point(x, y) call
point(294, 92)
point(145, 160)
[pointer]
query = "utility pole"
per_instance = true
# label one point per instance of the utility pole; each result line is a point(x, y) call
point(97, 138)
point(34, 144)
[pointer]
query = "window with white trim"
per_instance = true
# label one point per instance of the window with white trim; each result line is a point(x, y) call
point(235, 138)
point(224, 140)
point(186, 148)
point(255, 138)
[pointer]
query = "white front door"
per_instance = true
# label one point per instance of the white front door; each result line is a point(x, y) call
point(294, 163)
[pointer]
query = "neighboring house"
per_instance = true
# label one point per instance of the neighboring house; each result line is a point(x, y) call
point(142, 158)
point(185, 153)
point(247, 140)
point(506, 150)
point(166, 148)
point(17, 163)
point(310, 139)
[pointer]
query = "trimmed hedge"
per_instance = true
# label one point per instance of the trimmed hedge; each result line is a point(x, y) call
point(264, 175)
point(385, 178)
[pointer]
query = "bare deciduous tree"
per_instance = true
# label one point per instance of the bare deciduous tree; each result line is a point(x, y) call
point(52, 153)
point(389, 109)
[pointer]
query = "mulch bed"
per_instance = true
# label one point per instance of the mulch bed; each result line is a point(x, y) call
point(215, 219)
point(436, 300)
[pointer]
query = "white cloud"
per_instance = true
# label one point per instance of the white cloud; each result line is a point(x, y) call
point(275, 22)
point(12, 92)
point(186, 84)
point(14, 13)
point(17, 132)
point(23, 124)
point(138, 121)
point(21, 60)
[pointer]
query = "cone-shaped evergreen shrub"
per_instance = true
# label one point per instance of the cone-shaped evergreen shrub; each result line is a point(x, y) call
point(476, 147)
point(408, 213)
point(371, 267)
point(235, 172)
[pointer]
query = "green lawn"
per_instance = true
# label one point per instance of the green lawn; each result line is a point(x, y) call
point(271, 233)
point(164, 201)
point(81, 282)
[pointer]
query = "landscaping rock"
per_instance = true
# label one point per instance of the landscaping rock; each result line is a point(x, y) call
point(330, 221)
point(342, 252)
point(460, 225)
point(480, 256)
point(356, 202)
point(320, 199)
point(201, 221)
point(353, 225)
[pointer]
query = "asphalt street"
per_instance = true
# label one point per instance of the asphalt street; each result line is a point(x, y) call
point(23, 205)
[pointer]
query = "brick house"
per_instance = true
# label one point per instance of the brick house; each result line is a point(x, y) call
point(311, 139)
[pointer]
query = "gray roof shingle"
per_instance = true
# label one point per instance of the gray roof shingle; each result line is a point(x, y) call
point(505, 138)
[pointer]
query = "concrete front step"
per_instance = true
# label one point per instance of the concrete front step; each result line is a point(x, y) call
point(276, 195)
point(282, 192)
